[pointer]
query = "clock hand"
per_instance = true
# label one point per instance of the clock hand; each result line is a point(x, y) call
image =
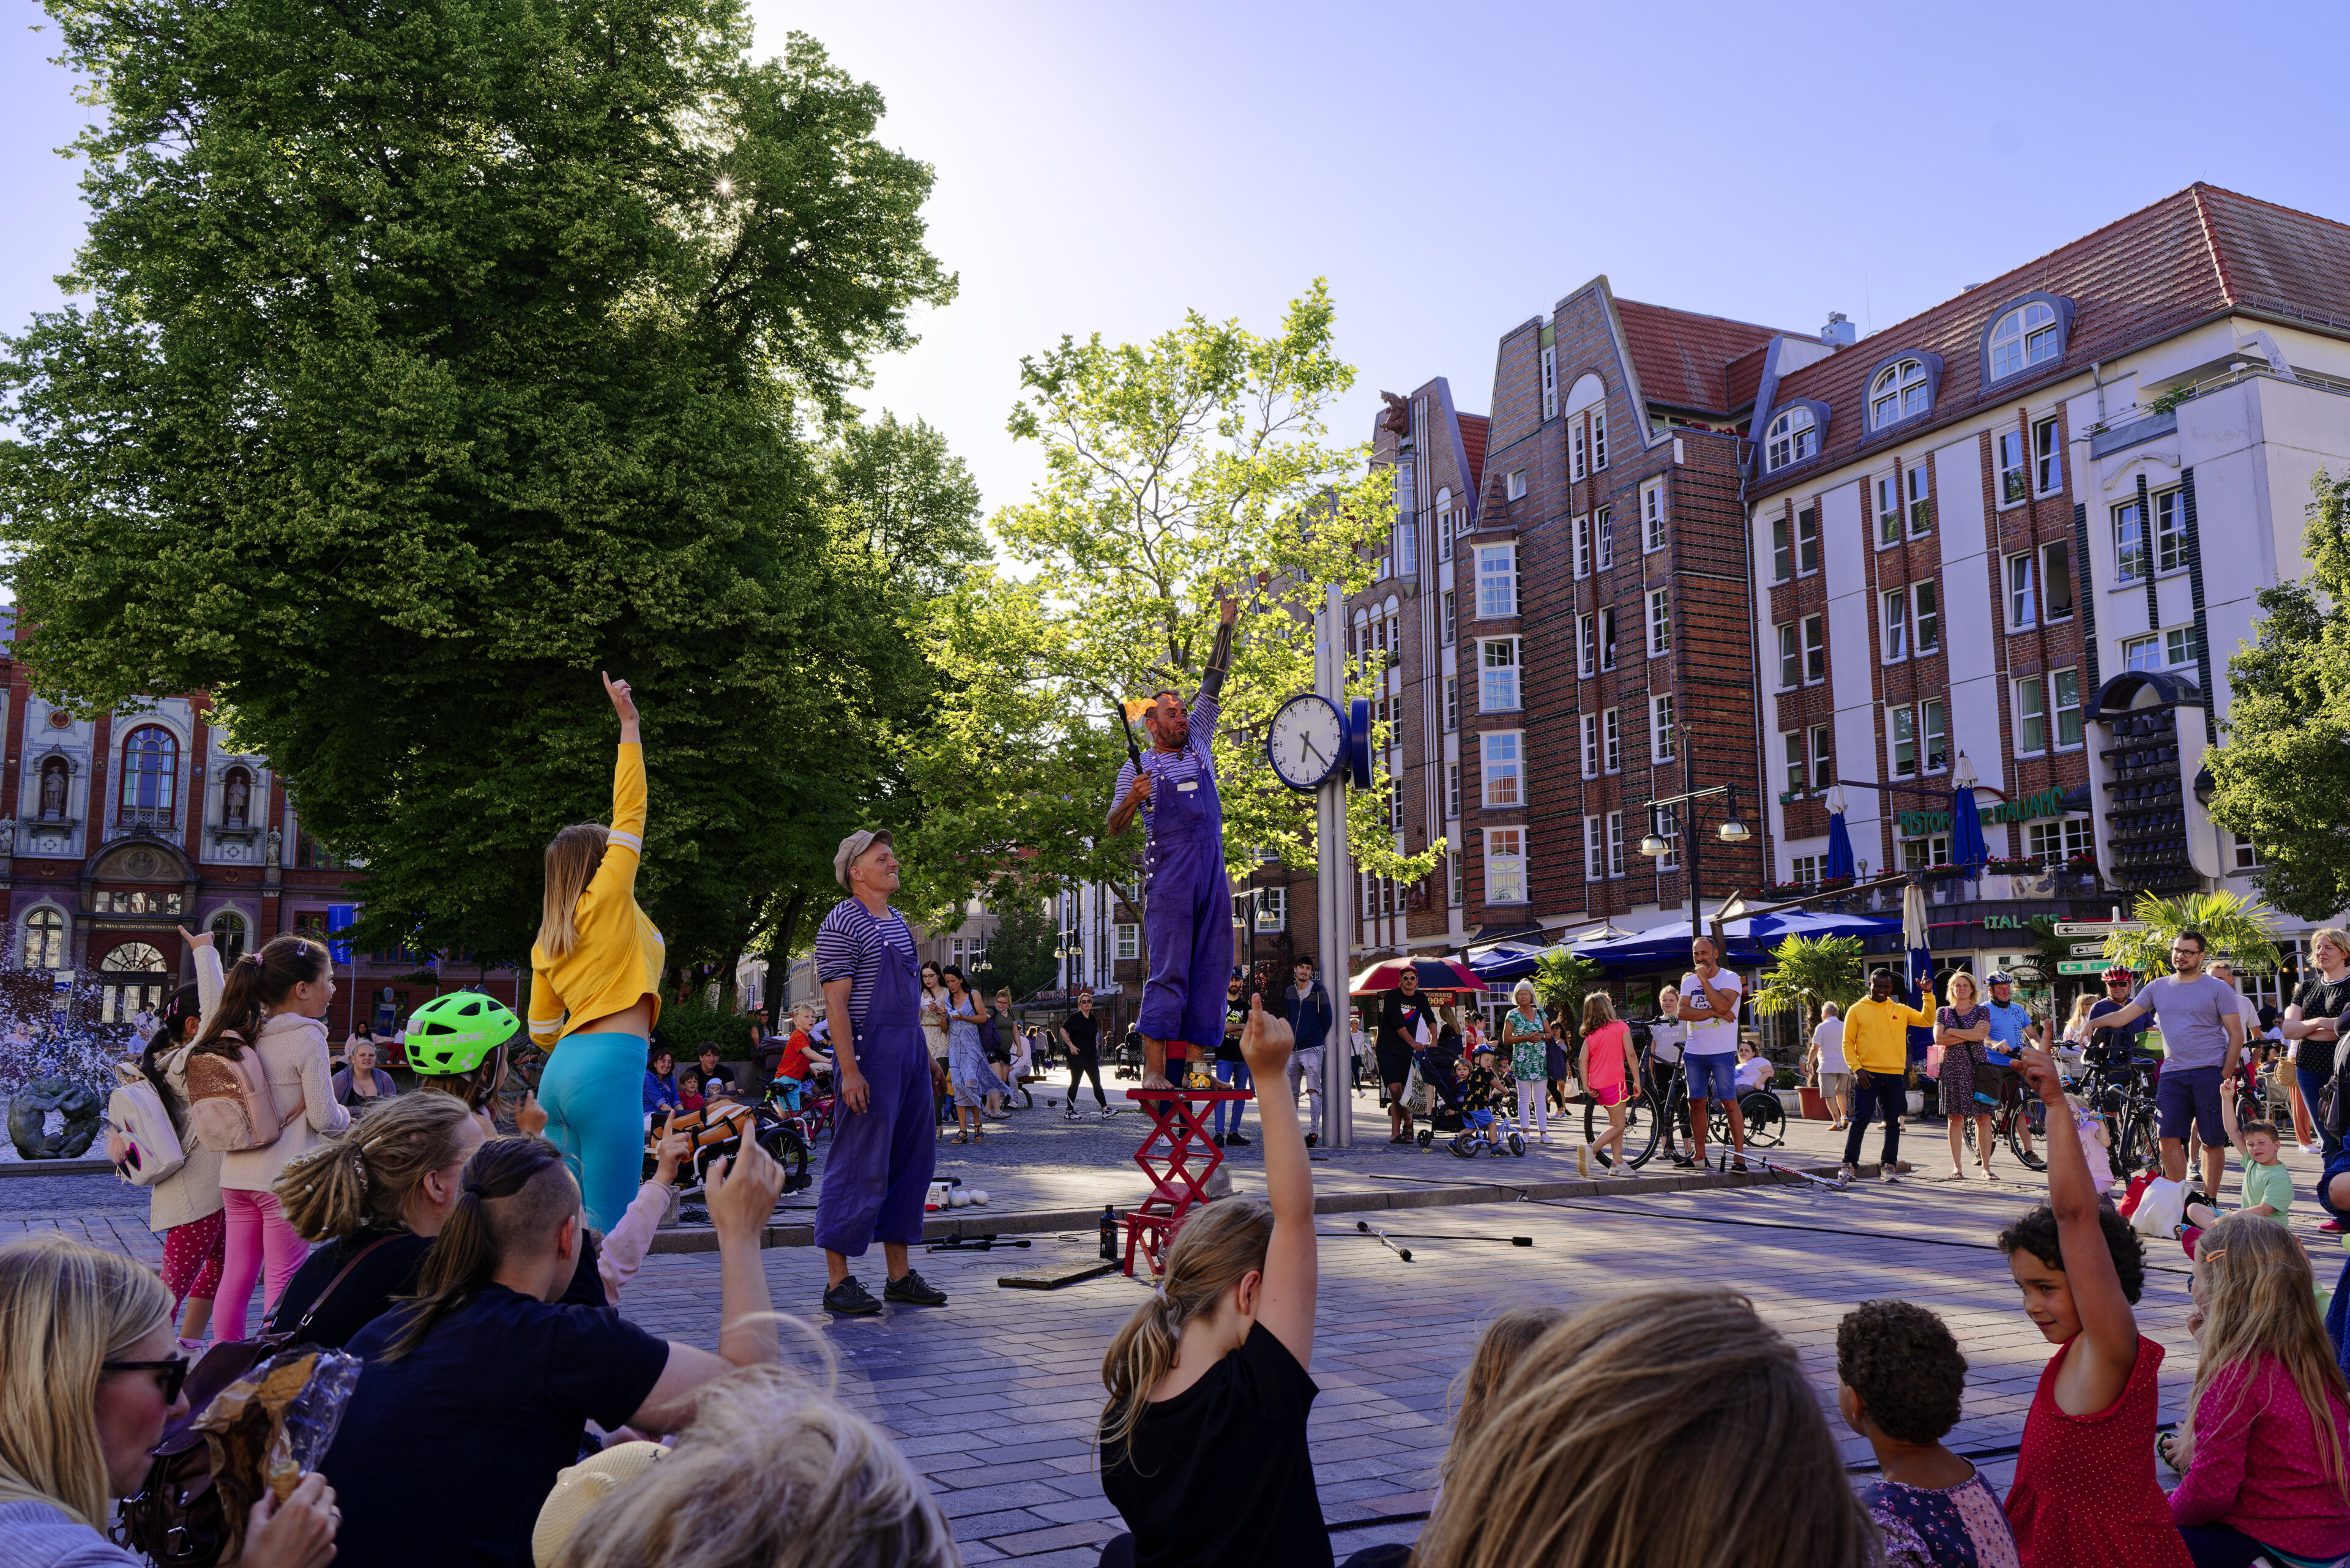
point(1313, 751)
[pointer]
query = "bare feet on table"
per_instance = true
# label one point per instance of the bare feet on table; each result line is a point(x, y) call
point(1156, 1081)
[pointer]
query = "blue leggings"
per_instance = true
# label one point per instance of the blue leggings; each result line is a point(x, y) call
point(593, 1093)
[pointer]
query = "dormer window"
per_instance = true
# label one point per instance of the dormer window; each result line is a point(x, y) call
point(1899, 392)
point(1793, 436)
point(2031, 331)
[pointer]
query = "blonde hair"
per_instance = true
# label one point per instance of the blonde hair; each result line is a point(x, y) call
point(773, 1473)
point(2080, 1005)
point(1216, 1247)
point(2335, 934)
point(1598, 1011)
point(2260, 1298)
point(368, 1174)
point(1586, 1459)
point(572, 858)
point(66, 1307)
point(1506, 1341)
point(1974, 989)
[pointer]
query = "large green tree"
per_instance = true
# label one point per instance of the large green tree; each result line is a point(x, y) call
point(2283, 775)
point(1194, 464)
point(431, 359)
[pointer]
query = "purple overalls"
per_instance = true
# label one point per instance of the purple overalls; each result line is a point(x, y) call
point(879, 1167)
point(1186, 901)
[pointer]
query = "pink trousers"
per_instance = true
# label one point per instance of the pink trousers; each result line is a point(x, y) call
point(258, 1235)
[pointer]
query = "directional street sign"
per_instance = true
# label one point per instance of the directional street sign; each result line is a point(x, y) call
point(2087, 949)
point(2080, 966)
point(2098, 927)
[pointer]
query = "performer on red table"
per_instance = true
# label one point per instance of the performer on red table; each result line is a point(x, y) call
point(1187, 899)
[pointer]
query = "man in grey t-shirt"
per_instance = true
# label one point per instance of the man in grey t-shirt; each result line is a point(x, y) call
point(2202, 1034)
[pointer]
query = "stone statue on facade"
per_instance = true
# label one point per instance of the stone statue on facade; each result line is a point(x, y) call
point(53, 791)
point(276, 841)
point(232, 801)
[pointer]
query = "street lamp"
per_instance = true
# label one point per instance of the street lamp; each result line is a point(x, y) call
point(1732, 829)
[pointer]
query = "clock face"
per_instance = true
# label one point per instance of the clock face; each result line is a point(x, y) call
point(1306, 741)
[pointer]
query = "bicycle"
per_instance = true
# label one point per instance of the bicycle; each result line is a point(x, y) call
point(1647, 1113)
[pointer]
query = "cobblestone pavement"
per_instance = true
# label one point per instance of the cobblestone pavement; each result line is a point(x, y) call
point(996, 1395)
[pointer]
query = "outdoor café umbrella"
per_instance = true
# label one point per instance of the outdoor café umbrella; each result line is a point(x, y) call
point(1921, 961)
point(1435, 974)
point(1967, 846)
point(1839, 865)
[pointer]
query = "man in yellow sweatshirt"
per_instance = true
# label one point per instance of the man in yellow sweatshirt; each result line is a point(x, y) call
point(1876, 1048)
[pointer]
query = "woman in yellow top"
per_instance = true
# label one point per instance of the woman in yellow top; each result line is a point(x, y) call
point(1876, 1048)
point(595, 987)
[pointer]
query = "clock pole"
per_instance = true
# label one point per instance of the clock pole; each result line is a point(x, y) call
point(1333, 886)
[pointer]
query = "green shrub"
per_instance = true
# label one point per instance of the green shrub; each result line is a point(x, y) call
point(684, 1026)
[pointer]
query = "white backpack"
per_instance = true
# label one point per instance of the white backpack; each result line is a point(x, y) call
point(149, 1145)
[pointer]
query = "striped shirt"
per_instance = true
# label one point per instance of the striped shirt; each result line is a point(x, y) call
point(1197, 759)
point(853, 944)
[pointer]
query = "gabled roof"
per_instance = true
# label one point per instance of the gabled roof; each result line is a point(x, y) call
point(1474, 428)
point(1682, 359)
point(1743, 377)
point(2193, 256)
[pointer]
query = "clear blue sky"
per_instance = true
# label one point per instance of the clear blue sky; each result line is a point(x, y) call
point(1454, 169)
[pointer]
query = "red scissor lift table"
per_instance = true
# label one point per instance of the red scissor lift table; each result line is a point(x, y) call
point(1177, 1123)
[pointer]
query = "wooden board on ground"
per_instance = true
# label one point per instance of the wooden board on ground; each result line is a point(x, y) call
point(1053, 1276)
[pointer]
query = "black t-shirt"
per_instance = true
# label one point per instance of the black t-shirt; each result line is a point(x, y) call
point(389, 1271)
point(492, 1405)
point(721, 1074)
point(1218, 1476)
point(2319, 999)
point(1236, 1012)
point(1084, 1033)
point(1399, 1020)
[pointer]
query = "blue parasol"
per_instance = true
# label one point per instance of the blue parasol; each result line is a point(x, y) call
point(1839, 865)
point(1967, 846)
point(1917, 938)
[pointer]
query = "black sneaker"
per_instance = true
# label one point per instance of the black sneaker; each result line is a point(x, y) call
point(1237, 1141)
point(1684, 1161)
point(1313, 1138)
point(851, 1299)
point(1218, 1140)
point(909, 1289)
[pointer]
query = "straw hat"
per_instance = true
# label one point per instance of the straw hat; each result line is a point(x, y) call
point(580, 1487)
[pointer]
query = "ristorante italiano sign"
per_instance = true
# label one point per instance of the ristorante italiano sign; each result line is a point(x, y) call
point(2026, 808)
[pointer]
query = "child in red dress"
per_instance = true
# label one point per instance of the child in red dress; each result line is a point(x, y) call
point(2084, 1494)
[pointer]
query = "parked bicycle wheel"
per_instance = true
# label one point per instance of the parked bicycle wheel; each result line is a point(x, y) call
point(1767, 1119)
point(2025, 1127)
point(1640, 1123)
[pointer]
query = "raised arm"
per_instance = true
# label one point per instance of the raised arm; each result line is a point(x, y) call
point(624, 851)
point(2099, 1367)
point(1220, 662)
point(2128, 1014)
point(209, 978)
point(741, 1201)
point(1286, 1296)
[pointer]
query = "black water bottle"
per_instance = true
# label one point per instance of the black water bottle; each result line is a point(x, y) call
point(1108, 1234)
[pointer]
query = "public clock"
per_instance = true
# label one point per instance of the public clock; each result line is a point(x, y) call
point(1306, 741)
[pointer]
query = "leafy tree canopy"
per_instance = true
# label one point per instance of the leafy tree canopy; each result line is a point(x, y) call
point(2283, 776)
point(1808, 974)
point(2235, 927)
point(433, 360)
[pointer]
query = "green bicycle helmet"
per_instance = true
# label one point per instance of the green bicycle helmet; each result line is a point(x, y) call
point(456, 1034)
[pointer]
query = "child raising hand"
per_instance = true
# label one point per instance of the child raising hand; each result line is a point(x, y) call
point(1204, 1437)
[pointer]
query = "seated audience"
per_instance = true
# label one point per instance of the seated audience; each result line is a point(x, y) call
point(717, 1077)
point(89, 1377)
point(1669, 1425)
point(494, 1376)
point(361, 1086)
point(1899, 1383)
point(2261, 1454)
point(660, 1082)
point(773, 1474)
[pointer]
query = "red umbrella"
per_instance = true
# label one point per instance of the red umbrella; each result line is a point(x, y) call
point(1435, 974)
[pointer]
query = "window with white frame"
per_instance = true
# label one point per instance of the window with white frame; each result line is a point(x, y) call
point(1667, 823)
point(1661, 727)
point(1919, 853)
point(2025, 337)
point(1823, 755)
point(2056, 842)
point(1933, 724)
point(1591, 745)
point(1452, 792)
point(1783, 549)
point(2030, 717)
point(1582, 547)
point(1505, 866)
point(1806, 870)
point(1611, 742)
point(2022, 601)
point(2171, 531)
point(1497, 685)
point(1614, 843)
point(1497, 581)
point(1889, 509)
point(2182, 645)
point(2065, 688)
point(2014, 469)
point(1129, 942)
point(1444, 523)
point(1894, 622)
point(1816, 649)
point(1921, 514)
point(1598, 437)
point(1587, 645)
point(1925, 617)
point(2047, 458)
point(1271, 909)
point(2133, 557)
point(1790, 656)
point(1452, 624)
point(1606, 552)
point(2169, 649)
point(1897, 393)
point(1652, 515)
point(1660, 622)
point(1516, 485)
point(1578, 448)
point(1798, 769)
point(1550, 382)
point(2142, 652)
point(1793, 436)
point(1504, 772)
point(1807, 541)
point(1451, 703)
point(1607, 636)
point(2247, 855)
point(1901, 734)
point(1454, 888)
point(2056, 581)
point(1595, 848)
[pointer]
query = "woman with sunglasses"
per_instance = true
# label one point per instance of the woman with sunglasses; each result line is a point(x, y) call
point(88, 1378)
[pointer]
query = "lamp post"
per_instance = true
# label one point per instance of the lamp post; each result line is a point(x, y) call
point(1734, 828)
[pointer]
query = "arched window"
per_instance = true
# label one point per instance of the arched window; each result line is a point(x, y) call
point(228, 935)
point(57, 789)
point(2029, 334)
point(45, 939)
point(236, 798)
point(1793, 436)
point(132, 957)
point(151, 761)
point(1898, 392)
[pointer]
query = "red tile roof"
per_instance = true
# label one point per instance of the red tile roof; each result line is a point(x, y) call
point(1681, 357)
point(2190, 256)
point(1474, 429)
point(1743, 377)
